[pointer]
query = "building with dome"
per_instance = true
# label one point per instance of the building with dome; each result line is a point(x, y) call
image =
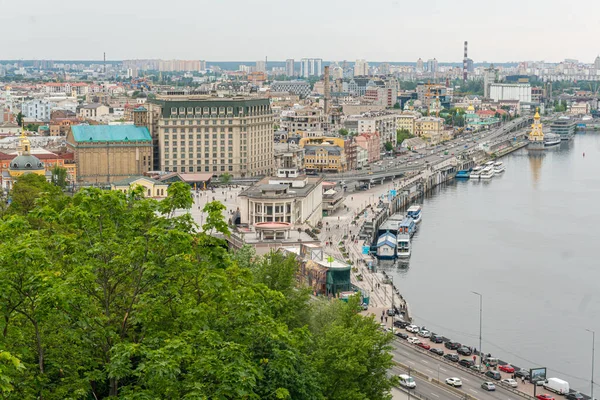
point(23, 164)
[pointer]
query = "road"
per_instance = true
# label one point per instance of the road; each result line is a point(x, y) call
point(429, 365)
point(405, 163)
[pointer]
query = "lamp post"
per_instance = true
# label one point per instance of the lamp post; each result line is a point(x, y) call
point(480, 325)
point(593, 357)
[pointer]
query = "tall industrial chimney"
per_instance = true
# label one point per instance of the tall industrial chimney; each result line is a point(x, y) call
point(327, 91)
point(465, 63)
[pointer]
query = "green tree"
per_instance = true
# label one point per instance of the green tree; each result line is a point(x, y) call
point(225, 178)
point(397, 106)
point(402, 134)
point(27, 190)
point(59, 176)
point(20, 119)
point(343, 132)
point(388, 146)
point(32, 127)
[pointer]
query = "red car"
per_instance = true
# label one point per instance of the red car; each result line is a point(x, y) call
point(544, 397)
point(424, 345)
point(507, 368)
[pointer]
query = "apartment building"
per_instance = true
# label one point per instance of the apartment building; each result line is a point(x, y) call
point(39, 110)
point(382, 122)
point(197, 133)
point(306, 119)
point(324, 154)
point(407, 121)
point(430, 129)
point(311, 67)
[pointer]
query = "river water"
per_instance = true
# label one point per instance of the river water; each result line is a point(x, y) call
point(529, 242)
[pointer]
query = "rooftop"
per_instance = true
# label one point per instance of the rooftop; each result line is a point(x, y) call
point(110, 133)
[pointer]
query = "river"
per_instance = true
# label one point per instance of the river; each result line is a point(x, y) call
point(528, 241)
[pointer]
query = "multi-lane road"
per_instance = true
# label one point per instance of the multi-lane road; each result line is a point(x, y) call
point(434, 367)
point(403, 164)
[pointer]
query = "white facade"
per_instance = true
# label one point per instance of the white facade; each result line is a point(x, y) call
point(290, 67)
point(310, 67)
point(505, 91)
point(37, 109)
point(361, 68)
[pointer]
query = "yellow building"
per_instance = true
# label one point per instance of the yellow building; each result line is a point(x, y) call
point(24, 163)
point(430, 129)
point(536, 136)
point(406, 121)
point(324, 154)
point(152, 187)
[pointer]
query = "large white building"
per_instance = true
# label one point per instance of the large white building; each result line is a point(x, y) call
point(290, 68)
point(382, 122)
point(310, 67)
point(511, 91)
point(361, 68)
point(37, 109)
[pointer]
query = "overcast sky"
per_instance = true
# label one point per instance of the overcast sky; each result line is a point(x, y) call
point(233, 30)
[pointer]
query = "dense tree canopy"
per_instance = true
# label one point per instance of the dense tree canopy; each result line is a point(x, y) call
point(109, 294)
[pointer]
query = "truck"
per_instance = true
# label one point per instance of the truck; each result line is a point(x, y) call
point(557, 385)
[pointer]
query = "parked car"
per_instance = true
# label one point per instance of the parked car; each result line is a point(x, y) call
point(510, 382)
point(452, 345)
point(466, 363)
point(413, 340)
point(400, 324)
point(424, 333)
point(412, 328)
point(478, 368)
point(574, 396)
point(465, 351)
point(489, 386)
point(544, 397)
point(451, 357)
point(439, 352)
point(390, 312)
point(522, 373)
point(436, 338)
point(507, 368)
point(402, 335)
point(456, 382)
point(424, 345)
point(494, 375)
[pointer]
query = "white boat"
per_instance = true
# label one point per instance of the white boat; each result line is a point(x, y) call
point(403, 247)
point(487, 173)
point(551, 139)
point(414, 212)
point(489, 164)
point(476, 172)
point(499, 167)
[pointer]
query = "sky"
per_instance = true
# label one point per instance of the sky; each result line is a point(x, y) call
point(334, 30)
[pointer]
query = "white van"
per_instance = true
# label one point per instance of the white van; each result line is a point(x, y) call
point(407, 381)
point(557, 385)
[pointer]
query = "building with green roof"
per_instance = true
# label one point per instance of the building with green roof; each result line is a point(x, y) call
point(108, 153)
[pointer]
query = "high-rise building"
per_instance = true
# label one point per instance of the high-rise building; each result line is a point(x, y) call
point(261, 66)
point(361, 68)
point(597, 63)
point(290, 67)
point(432, 66)
point(419, 65)
point(489, 76)
point(310, 67)
point(198, 133)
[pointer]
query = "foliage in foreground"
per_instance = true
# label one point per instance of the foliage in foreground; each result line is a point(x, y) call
point(108, 294)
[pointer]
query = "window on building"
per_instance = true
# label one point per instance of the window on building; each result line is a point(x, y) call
point(231, 168)
point(166, 142)
point(206, 168)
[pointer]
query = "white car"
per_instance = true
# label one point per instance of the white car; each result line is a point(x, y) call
point(510, 382)
point(456, 382)
point(424, 333)
point(407, 381)
point(414, 340)
point(413, 328)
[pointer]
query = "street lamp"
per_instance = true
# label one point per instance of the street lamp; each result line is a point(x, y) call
point(593, 357)
point(480, 325)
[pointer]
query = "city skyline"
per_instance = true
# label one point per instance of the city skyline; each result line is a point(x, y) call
point(402, 32)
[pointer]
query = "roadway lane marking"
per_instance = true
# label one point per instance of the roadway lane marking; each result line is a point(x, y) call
point(442, 369)
point(410, 361)
point(474, 391)
point(427, 369)
point(436, 395)
point(426, 362)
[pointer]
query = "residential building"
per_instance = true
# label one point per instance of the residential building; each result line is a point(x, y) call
point(290, 67)
point(310, 67)
point(420, 65)
point(490, 75)
point(37, 109)
point(407, 121)
point(510, 91)
point(383, 122)
point(261, 66)
point(93, 110)
point(288, 200)
point(107, 153)
point(324, 154)
point(432, 66)
point(361, 68)
point(371, 143)
point(306, 120)
point(300, 88)
point(430, 129)
point(198, 133)
point(152, 187)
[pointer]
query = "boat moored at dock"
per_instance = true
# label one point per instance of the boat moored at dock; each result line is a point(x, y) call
point(499, 167)
point(476, 172)
point(487, 173)
point(414, 212)
point(403, 247)
point(463, 174)
point(551, 139)
point(408, 227)
point(386, 246)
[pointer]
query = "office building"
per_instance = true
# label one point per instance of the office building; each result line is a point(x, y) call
point(361, 68)
point(310, 67)
point(290, 67)
point(198, 133)
point(108, 153)
point(300, 88)
point(507, 91)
